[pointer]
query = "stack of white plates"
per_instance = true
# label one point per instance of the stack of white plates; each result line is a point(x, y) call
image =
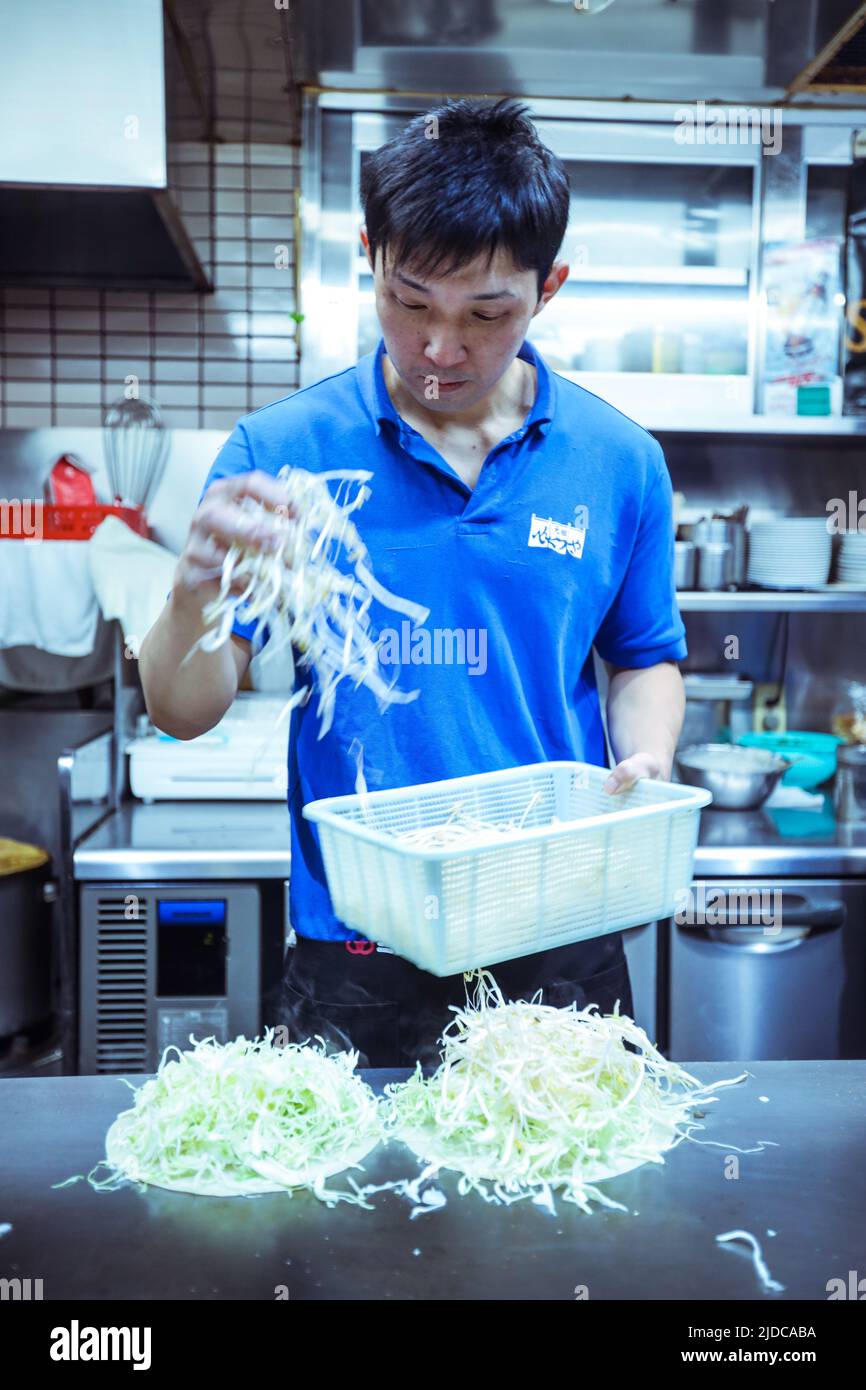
point(851, 568)
point(792, 552)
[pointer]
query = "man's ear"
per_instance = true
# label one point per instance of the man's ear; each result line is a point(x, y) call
point(553, 283)
point(365, 242)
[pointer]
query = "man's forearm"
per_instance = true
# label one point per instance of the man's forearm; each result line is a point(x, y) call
point(185, 698)
point(645, 710)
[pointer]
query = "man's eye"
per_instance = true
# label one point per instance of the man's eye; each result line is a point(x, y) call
point(409, 306)
point(490, 318)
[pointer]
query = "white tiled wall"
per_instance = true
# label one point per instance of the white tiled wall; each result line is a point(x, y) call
point(205, 359)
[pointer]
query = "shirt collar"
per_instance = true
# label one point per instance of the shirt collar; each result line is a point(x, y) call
point(381, 407)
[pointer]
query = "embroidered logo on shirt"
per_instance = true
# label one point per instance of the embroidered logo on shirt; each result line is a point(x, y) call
point(566, 538)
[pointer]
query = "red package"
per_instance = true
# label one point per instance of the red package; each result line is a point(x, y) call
point(69, 483)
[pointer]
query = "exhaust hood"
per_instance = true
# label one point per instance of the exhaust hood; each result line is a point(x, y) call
point(83, 179)
point(651, 50)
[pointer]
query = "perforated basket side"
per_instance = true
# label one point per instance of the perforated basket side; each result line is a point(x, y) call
point(374, 890)
point(508, 902)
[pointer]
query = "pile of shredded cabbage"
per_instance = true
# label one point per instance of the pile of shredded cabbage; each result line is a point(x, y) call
point(242, 1118)
point(314, 590)
point(530, 1099)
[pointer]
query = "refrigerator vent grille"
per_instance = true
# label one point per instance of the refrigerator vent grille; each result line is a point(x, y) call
point(121, 986)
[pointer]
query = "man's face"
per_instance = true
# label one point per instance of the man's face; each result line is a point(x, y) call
point(450, 339)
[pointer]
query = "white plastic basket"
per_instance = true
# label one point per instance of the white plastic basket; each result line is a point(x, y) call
point(583, 864)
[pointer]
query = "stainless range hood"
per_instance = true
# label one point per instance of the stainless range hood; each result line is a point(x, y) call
point(83, 183)
point(651, 50)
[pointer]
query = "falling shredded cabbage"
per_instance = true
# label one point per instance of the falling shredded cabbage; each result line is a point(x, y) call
point(531, 1099)
point(313, 591)
point(243, 1118)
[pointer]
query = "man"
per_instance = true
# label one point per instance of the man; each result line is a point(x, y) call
point(528, 515)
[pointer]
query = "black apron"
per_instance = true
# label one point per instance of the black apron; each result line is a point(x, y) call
point(356, 996)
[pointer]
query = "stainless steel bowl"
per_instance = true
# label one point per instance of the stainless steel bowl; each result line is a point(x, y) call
point(739, 778)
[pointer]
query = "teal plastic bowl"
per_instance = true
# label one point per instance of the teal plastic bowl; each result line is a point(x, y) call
point(813, 755)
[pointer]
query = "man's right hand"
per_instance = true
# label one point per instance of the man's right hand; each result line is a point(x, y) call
point(186, 690)
point(221, 522)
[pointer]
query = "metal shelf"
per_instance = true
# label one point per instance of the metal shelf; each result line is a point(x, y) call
point(654, 400)
point(822, 426)
point(770, 601)
point(701, 276)
point(660, 277)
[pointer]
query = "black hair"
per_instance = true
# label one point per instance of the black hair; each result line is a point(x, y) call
point(468, 178)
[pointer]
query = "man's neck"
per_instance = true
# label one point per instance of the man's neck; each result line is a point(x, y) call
point(512, 395)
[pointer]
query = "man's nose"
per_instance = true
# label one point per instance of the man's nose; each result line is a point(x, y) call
point(445, 349)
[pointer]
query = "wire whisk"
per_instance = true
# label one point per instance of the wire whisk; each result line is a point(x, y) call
point(135, 442)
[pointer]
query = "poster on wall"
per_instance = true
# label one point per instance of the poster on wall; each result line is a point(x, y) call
point(803, 322)
point(855, 338)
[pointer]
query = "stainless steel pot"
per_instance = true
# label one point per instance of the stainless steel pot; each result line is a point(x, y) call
point(721, 531)
point(684, 564)
point(849, 792)
point(25, 949)
point(714, 565)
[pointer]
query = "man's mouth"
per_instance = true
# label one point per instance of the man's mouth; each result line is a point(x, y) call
point(450, 385)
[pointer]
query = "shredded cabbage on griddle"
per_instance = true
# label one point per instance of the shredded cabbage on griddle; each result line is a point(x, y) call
point(246, 1117)
point(531, 1099)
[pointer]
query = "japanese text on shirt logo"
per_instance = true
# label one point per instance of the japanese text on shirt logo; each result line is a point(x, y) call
point(566, 538)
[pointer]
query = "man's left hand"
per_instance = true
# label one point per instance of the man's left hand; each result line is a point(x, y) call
point(630, 770)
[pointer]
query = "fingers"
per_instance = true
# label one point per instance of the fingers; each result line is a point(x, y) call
point(615, 783)
point(262, 487)
point(630, 771)
point(222, 521)
point(202, 563)
point(221, 516)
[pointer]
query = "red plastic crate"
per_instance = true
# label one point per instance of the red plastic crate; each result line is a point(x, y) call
point(68, 523)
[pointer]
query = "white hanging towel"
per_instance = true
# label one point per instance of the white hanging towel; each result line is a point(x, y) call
point(131, 577)
point(46, 597)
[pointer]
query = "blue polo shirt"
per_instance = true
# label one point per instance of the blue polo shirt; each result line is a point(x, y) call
point(565, 543)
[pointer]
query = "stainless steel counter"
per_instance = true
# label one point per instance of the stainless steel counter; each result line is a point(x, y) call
point(188, 840)
point(239, 840)
point(779, 843)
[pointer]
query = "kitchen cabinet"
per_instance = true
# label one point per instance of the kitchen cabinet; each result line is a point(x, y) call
point(769, 968)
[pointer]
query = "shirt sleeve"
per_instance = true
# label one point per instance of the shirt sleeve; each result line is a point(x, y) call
point(235, 457)
point(643, 624)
